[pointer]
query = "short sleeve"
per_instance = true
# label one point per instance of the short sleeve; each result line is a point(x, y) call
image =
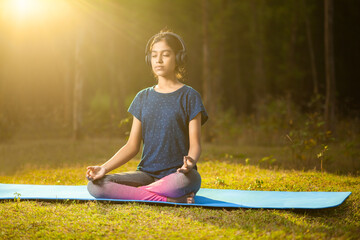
point(196, 106)
point(136, 106)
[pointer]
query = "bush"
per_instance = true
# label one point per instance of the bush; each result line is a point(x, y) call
point(301, 135)
point(309, 142)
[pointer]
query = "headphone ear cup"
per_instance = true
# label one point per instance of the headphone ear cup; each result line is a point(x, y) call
point(178, 58)
point(181, 58)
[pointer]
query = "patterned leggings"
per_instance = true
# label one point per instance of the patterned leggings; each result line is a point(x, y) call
point(138, 185)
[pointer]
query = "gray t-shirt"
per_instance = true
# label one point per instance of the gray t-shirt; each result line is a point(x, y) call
point(165, 121)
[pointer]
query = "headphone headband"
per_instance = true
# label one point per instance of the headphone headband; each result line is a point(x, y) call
point(165, 33)
point(180, 57)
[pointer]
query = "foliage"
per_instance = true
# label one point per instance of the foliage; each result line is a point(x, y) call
point(309, 142)
point(225, 127)
point(280, 123)
point(254, 53)
point(99, 116)
point(267, 126)
point(55, 153)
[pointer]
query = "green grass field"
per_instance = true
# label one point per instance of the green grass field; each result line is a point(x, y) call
point(61, 162)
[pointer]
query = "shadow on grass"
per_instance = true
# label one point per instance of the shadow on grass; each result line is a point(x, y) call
point(322, 223)
point(264, 221)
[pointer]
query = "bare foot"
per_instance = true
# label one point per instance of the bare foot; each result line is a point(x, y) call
point(189, 198)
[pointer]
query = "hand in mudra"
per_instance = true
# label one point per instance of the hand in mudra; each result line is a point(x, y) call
point(189, 163)
point(95, 172)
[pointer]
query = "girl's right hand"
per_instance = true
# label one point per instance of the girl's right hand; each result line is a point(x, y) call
point(95, 172)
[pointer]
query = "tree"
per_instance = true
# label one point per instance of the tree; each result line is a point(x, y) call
point(78, 87)
point(206, 65)
point(330, 102)
point(258, 8)
point(309, 38)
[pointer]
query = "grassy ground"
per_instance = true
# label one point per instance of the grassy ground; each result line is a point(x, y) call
point(91, 220)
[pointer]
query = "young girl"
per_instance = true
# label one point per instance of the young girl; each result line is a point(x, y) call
point(167, 117)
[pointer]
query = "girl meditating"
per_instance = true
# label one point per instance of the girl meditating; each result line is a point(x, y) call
point(167, 117)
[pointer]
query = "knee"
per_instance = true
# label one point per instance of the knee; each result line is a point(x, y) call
point(192, 180)
point(95, 190)
point(194, 176)
point(195, 180)
point(91, 188)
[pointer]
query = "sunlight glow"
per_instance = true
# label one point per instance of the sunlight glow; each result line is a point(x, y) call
point(24, 6)
point(31, 10)
point(22, 9)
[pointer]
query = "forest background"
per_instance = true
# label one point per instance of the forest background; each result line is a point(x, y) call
point(281, 74)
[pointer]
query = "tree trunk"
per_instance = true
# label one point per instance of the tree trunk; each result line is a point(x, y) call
point(78, 89)
point(68, 91)
point(311, 50)
point(206, 69)
point(293, 37)
point(219, 61)
point(290, 84)
point(329, 67)
point(258, 34)
point(113, 85)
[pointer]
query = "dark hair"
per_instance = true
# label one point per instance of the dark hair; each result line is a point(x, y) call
point(175, 45)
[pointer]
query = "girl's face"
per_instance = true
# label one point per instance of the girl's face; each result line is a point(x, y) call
point(163, 60)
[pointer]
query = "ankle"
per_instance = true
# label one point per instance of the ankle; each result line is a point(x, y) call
point(188, 198)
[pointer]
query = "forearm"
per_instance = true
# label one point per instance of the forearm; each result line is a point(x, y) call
point(195, 152)
point(125, 154)
point(195, 138)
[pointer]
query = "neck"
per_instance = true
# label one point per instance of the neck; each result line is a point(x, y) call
point(168, 84)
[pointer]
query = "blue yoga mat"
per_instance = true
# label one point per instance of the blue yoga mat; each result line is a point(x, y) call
point(206, 197)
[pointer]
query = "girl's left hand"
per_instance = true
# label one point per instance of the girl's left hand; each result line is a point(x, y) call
point(189, 163)
point(95, 172)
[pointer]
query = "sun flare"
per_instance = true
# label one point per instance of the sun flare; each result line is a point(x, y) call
point(30, 10)
point(22, 8)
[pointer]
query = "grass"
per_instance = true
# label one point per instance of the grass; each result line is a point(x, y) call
point(94, 220)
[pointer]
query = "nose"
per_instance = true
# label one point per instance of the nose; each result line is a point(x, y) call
point(159, 59)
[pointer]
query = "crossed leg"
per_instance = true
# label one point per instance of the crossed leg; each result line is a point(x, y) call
point(137, 185)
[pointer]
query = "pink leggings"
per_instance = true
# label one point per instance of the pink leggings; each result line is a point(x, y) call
point(138, 185)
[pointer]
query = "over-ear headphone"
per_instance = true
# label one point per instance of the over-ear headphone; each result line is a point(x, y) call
point(180, 55)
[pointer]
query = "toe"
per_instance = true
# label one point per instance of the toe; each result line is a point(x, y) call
point(190, 198)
